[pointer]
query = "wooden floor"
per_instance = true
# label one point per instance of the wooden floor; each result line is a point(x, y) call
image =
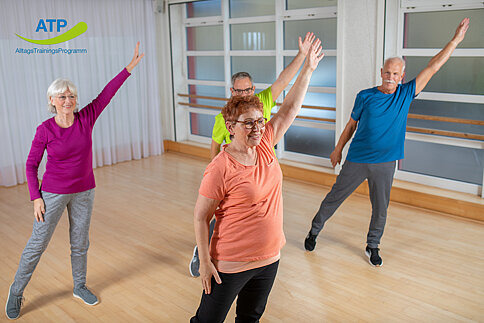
point(142, 240)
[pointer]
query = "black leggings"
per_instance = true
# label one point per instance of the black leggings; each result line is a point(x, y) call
point(252, 288)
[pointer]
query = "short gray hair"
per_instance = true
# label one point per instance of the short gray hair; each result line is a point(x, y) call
point(241, 75)
point(396, 58)
point(60, 86)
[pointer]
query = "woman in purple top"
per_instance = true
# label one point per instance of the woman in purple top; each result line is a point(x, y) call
point(68, 182)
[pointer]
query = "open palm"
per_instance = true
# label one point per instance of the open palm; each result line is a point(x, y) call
point(315, 55)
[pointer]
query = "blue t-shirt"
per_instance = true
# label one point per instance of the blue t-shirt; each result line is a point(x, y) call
point(382, 122)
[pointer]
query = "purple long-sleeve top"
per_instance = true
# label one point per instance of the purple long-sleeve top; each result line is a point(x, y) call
point(69, 150)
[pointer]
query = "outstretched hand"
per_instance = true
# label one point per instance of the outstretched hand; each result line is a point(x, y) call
point(314, 55)
point(461, 30)
point(305, 44)
point(135, 60)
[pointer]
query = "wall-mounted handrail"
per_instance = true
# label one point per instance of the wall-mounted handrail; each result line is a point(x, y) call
point(445, 119)
point(224, 99)
point(410, 116)
point(446, 133)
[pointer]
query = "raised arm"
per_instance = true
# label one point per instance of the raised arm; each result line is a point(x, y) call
point(343, 139)
point(91, 112)
point(288, 73)
point(204, 209)
point(438, 60)
point(136, 58)
point(294, 99)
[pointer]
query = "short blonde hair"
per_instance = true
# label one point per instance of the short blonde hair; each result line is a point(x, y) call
point(60, 86)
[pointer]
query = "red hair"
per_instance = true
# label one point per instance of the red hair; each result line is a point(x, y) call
point(238, 105)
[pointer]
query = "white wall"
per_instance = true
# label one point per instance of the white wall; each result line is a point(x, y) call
point(360, 40)
point(164, 71)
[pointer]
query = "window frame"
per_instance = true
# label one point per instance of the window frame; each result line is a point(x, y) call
point(395, 12)
point(281, 15)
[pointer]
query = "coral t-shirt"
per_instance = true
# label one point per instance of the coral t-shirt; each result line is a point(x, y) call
point(249, 217)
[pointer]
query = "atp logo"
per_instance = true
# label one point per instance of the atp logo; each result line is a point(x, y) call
point(47, 25)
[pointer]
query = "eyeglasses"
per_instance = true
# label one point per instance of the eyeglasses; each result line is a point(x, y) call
point(63, 97)
point(241, 91)
point(249, 124)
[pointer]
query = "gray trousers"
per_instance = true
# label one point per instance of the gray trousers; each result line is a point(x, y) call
point(380, 179)
point(79, 208)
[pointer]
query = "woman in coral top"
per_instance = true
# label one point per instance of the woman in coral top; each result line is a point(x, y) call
point(68, 181)
point(243, 187)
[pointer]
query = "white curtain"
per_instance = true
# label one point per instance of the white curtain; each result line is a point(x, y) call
point(129, 128)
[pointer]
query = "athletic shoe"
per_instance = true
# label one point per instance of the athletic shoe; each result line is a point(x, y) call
point(14, 303)
point(86, 295)
point(194, 264)
point(310, 241)
point(375, 259)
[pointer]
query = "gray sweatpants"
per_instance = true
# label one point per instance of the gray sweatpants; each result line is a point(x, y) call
point(79, 208)
point(380, 179)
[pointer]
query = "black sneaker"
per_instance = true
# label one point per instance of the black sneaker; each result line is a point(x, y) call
point(310, 241)
point(375, 259)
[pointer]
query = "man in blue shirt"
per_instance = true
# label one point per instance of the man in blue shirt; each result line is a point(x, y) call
point(381, 116)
